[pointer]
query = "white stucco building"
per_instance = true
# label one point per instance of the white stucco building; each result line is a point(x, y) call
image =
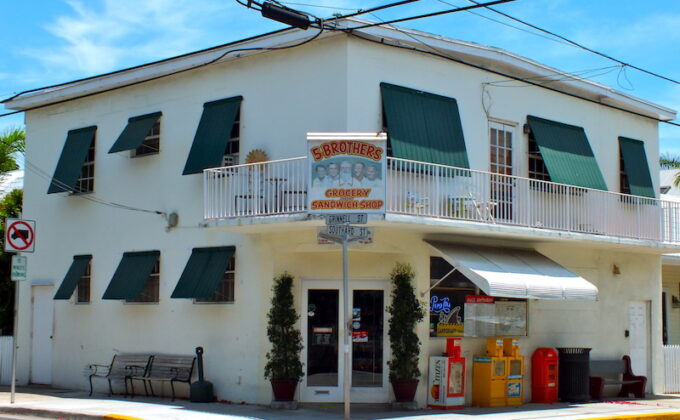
point(545, 170)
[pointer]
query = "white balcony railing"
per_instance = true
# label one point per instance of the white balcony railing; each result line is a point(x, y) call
point(430, 190)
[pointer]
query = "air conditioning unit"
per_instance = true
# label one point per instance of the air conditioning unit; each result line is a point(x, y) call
point(229, 160)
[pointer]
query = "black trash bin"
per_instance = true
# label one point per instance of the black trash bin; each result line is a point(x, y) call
point(574, 370)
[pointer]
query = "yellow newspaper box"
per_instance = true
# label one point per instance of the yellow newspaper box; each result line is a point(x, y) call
point(489, 376)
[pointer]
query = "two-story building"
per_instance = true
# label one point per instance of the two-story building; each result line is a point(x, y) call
point(155, 235)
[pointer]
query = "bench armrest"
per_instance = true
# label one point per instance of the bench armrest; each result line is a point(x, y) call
point(136, 370)
point(99, 370)
point(177, 371)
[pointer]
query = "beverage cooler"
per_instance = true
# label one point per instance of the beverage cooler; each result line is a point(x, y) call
point(446, 382)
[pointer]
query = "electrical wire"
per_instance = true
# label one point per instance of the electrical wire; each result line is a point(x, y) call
point(442, 12)
point(574, 43)
point(84, 194)
point(221, 56)
point(509, 76)
point(500, 22)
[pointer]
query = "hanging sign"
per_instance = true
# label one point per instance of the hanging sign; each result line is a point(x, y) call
point(19, 235)
point(346, 172)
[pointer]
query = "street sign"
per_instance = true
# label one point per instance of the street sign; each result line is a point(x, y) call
point(322, 235)
point(347, 230)
point(19, 235)
point(18, 268)
point(346, 219)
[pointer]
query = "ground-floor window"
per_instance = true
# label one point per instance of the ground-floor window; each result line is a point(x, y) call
point(225, 289)
point(458, 308)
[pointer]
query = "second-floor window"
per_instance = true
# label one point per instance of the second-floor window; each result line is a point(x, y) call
point(150, 292)
point(225, 289)
point(231, 152)
point(624, 185)
point(83, 291)
point(151, 144)
point(537, 168)
point(85, 182)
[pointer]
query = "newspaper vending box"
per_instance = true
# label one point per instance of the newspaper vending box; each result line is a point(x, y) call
point(446, 383)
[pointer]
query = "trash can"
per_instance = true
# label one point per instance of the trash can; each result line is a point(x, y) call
point(574, 370)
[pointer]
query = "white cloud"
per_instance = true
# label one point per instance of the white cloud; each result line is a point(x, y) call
point(125, 32)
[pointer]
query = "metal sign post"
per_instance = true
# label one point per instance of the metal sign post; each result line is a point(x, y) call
point(18, 275)
point(344, 239)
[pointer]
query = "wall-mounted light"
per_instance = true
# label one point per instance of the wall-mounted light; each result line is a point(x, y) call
point(615, 270)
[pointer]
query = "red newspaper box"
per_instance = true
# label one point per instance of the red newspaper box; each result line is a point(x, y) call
point(544, 378)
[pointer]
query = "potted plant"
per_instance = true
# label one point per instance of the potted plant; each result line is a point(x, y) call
point(283, 368)
point(405, 313)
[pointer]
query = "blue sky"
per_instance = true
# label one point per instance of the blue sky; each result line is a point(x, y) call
point(51, 41)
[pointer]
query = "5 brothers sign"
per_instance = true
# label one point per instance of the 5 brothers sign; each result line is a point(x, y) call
point(346, 172)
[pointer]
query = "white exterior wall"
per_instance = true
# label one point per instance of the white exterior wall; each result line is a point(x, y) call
point(329, 85)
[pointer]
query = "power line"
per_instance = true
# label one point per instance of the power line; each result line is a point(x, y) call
point(442, 12)
point(509, 76)
point(574, 43)
point(221, 56)
point(78, 193)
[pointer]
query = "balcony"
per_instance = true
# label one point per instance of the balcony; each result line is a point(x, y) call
point(425, 190)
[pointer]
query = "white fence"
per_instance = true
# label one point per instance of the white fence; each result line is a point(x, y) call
point(5, 359)
point(671, 359)
point(426, 189)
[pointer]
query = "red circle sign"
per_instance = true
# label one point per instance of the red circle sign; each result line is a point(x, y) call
point(20, 239)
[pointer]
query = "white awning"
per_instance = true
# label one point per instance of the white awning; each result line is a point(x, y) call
point(516, 273)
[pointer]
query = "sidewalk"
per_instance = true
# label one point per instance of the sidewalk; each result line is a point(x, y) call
point(55, 403)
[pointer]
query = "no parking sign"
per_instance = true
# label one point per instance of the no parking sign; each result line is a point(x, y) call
point(19, 235)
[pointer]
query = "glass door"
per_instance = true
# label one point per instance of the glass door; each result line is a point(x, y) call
point(500, 165)
point(323, 333)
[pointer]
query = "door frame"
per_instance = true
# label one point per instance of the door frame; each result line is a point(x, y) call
point(362, 394)
point(49, 289)
point(648, 336)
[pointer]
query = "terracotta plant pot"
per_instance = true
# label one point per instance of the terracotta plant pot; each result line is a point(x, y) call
point(404, 390)
point(284, 389)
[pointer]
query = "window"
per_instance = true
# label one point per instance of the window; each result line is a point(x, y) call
point(83, 292)
point(151, 143)
point(537, 168)
point(85, 182)
point(225, 289)
point(150, 292)
point(624, 185)
point(447, 299)
point(231, 152)
point(454, 294)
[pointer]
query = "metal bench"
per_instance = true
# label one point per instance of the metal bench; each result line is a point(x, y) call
point(615, 372)
point(164, 368)
point(119, 369)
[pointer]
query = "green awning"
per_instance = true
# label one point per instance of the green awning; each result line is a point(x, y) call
point(131, 275)
point(423, 126)
point(212, 135)
point(636, 167)
point(70, 282)
point(71, 161)
point(135, 131)
point(567, 154)
point(203, 272)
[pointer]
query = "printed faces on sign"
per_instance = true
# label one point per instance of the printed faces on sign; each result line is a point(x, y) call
point(347, 176)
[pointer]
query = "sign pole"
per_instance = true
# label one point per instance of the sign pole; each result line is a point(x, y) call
point(348, 326)
point(14, 342)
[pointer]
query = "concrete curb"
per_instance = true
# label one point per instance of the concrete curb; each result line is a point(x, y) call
point(24, 411)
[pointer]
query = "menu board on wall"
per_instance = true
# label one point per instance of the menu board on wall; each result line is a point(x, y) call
point(486, 316)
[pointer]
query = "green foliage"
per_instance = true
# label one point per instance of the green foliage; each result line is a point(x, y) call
point(12, 142)
point(283, 361)
point(669, 161)
point(10, 206)
point(405, 313)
